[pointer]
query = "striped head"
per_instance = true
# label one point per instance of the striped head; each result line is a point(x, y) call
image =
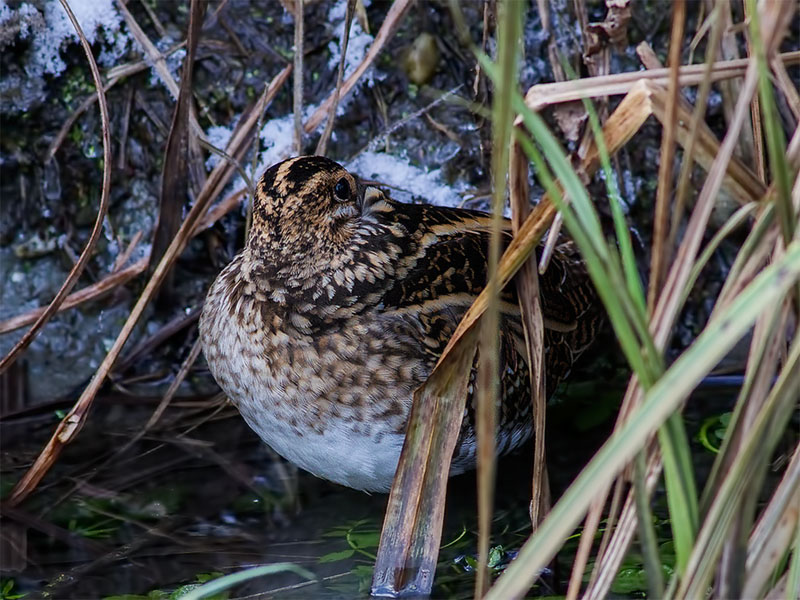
point(307, 209)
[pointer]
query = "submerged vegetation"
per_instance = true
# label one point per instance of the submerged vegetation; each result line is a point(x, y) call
point(667, 466)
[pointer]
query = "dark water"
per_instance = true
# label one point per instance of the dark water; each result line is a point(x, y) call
point(199, 496)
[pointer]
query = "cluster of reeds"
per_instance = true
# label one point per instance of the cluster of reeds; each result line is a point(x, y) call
point(728, 541)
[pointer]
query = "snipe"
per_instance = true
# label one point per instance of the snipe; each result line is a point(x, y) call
point(339, 306)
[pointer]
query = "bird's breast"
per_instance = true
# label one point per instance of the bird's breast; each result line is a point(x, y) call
point(334, 402)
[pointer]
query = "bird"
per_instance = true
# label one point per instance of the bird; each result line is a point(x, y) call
point(341, 303)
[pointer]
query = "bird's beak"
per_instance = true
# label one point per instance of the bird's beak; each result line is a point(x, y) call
point(372, 194)
point(370, 198)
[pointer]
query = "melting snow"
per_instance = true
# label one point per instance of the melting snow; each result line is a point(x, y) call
point(48, 39)
point(397, 171)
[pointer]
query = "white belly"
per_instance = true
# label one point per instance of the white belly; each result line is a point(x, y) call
point(291, 392)
point(339, 453)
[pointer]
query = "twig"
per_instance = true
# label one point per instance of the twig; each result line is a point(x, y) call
point(76, 271)
point(90, 292)
point(170, 328)
point(298, 76)
point(390, 25)
point(322, 145)
point(71, 424)
point(661, 253)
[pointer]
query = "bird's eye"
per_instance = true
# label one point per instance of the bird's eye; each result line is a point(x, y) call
point(342, 190)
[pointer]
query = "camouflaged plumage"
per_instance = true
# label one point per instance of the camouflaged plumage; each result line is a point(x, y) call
point(341, 303)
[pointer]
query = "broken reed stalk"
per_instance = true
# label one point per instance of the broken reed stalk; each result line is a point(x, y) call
point(509, 17)
point(71, 424)
point(412, 528)
point(94, 236)
point(527, 282)
point(661, 252)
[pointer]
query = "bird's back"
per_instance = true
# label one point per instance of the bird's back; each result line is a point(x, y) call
point(322, 361)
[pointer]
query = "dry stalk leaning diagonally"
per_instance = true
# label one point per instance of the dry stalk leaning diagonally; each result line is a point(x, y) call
point(527, 282)
point(77, 269)
point(390, 25)
point(90, 292)
point(69, 427)
point(661, 252)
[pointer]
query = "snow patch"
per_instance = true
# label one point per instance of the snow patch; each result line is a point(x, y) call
point(398, 172)
point(277, 136)
point(218, 136)
point(357, 47)
point(48, 27)
point(93, 15)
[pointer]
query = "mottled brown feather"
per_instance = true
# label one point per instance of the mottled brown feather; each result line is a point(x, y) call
point(341, 303)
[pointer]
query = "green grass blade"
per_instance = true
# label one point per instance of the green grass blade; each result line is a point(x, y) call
point(647, 531)
point(627, 315)
point(748, 467)
point(660, 402)
point(509, 19)
point(608, 279)
point(793, 578)
point(773, 132)
point(228, 581)
point(635, 288)
point(680, 486)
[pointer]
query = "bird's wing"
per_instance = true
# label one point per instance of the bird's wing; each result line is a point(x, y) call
point(449, 270)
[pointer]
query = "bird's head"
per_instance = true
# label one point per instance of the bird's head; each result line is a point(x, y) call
point(307, 209)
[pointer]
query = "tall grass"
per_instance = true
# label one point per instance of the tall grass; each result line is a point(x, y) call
point(761, 292)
